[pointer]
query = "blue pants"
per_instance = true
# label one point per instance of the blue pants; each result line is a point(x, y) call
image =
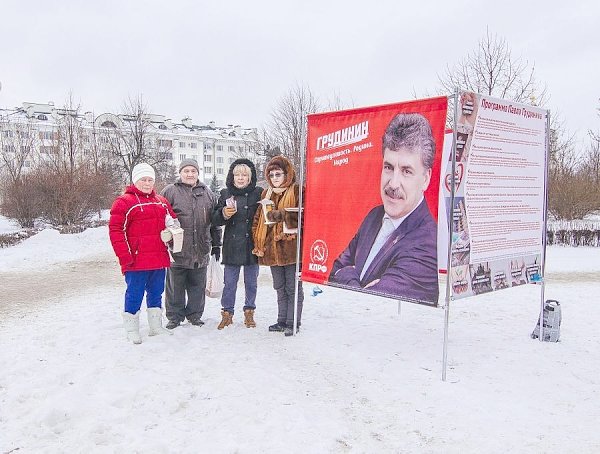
point(152, 282)
point(231, 277)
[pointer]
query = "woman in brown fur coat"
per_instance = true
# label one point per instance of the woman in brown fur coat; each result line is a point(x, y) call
point(276, 248)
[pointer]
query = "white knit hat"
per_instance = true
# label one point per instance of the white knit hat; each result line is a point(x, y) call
point(142, 170)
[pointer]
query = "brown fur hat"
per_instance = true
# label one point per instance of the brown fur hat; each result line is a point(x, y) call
point(281, 163)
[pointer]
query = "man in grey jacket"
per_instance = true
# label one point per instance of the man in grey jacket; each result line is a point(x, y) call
point(193, 202)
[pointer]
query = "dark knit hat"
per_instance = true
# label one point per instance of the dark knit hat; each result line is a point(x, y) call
point(189, 162)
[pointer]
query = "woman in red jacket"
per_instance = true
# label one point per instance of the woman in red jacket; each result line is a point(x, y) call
point(137, 219)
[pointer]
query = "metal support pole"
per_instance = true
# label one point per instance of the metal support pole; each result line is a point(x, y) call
point(450, 227)
point(300, 208)
point(545, 229)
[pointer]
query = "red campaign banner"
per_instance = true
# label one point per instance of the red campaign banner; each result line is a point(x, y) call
point(371, 199)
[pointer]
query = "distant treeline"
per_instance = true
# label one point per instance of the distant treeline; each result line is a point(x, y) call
point(574, 233)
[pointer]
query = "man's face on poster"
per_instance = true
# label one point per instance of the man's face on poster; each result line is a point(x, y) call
point(404, 178)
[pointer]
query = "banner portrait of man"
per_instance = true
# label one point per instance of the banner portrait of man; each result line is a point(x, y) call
point(384, 173)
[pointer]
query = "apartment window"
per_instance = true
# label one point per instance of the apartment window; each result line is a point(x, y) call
point(165, 143)
point(162, 127)
point(9, 148)
point(241, 148)
point(165, 155)
point(219, 147)
point(27, 164)
point(231, 148)
point(220, 160)
point(182, 157)
point(193, 145)
point(207, 158)
point(208, 146)
point(207, 169)
point(46, 135)
point(220, 171)
point(7, 133)
point(23, 134)
point(181, 144)
point(46, 150)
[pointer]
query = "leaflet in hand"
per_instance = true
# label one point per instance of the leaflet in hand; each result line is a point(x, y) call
point(267, 205)
point(231, 203)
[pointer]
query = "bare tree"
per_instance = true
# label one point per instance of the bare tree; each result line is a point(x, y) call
point(592, 159)
point(571, 197)
point(492, 70)
point(133, 141)
point(67, 144)
point(70, 183)
point(590, 169)
point(287, 126)
point(590, 165)
point(100, 163)
point(249, 147)
point(18, 141)
point(573, 183)
point(336, 102)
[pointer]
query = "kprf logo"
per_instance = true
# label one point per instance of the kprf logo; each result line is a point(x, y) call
point(318, 256)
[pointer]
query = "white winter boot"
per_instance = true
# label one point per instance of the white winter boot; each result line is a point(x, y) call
point(155, 322)
point(131, 322)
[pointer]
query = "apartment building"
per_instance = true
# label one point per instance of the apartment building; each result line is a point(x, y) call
point(34, 128)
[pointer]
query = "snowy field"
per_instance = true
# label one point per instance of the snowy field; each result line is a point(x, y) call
point(358, 378)
point(8, 225)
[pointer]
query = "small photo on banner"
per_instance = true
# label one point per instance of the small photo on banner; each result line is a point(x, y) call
point(371, 200)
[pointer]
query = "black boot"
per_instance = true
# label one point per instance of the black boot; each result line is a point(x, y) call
point(289, 330)
point(195, 320)
point(277, 327)
point(172, 324)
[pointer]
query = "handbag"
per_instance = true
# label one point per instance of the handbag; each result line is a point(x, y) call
point(214, 279)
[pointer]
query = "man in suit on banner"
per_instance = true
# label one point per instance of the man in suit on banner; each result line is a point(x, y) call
point(394, 251)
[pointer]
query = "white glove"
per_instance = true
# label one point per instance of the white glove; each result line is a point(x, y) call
point(166, 235)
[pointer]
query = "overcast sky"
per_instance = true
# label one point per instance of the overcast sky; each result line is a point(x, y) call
point(231, 60)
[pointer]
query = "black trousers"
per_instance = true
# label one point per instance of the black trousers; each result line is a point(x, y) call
point(182, 282)
point(283, 283)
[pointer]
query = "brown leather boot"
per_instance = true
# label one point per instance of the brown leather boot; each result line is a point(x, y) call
point(249, 318)
point(226, 319)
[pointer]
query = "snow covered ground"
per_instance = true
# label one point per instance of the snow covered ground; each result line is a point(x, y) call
point(359, 377)
point(8, 225)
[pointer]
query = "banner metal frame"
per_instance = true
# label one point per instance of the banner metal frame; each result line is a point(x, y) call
point(545, 229)
point(448, 295)
point(298, 280)
point(450, 231)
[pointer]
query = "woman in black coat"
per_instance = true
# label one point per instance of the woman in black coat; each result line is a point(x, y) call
point(235, 210)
